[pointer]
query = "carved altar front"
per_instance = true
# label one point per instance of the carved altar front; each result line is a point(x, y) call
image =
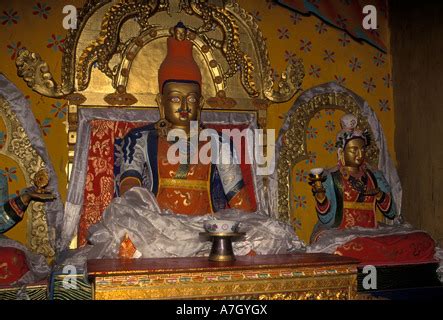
point(290, 277)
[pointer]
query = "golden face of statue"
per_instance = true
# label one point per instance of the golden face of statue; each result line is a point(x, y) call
point(180, 103)
point(180, 33)
point(354, 153)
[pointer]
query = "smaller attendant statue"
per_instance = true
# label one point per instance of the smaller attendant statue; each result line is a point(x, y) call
point(347, 199)
point(13, 258)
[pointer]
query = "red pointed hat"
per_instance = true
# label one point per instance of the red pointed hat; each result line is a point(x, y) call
point(179, 64)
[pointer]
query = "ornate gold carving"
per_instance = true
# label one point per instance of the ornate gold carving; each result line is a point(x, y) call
point(290, 81)
point(280, 272)
point(76, 98)
point(41, 180)
point(238, 61)
point(35, 72)
point(327, 282)
point(38, 236)
point(332, 286)
point(328, 294)
point(221, 101)
point(260, 104)
point(227, 16)
point(107, 44)
point(294, 147)
point(18, 147)
point(120, 98)
point(70, 44)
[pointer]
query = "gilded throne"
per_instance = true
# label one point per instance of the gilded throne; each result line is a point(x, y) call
point(114, 85)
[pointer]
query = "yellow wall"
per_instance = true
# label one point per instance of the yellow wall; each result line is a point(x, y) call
point(286, 34)
point(310, 39)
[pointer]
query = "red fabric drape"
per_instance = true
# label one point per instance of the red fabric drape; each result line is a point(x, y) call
point(99, 189)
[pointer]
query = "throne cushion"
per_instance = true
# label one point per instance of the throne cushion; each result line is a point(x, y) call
point(13, 265)
point(416, 247)
point(103, 166)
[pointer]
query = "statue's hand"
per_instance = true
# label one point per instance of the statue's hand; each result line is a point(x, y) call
point(320, 197)
point(42, 197)
point(318, 188)
point(379, 194)
point(319, 192)
point(38, 197)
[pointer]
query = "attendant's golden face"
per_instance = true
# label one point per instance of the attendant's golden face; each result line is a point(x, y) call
point(181, 103)
point(354, 153)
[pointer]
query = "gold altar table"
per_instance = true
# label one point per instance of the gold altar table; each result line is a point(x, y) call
point(291, 276)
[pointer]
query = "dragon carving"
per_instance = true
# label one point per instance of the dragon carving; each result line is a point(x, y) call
point(107, 44)
point(237, 60)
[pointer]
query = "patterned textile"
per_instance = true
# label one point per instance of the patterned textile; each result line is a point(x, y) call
point(413, 247)
point(187, 195)
point(345, 15)
point(99, 191)
point(12, 265)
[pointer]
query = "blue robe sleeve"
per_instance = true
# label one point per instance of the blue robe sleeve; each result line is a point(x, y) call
point(135, 154)
point(7, 219)
point(329, 217)
point(11, 211)
point(228, 167)
point(4, 196)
